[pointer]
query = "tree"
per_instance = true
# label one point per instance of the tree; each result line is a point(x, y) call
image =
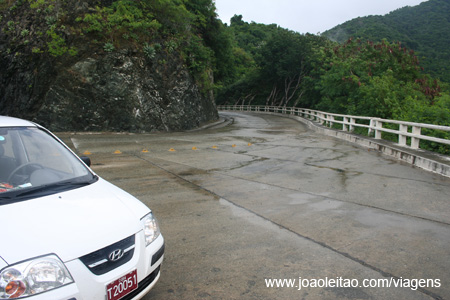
point(282, 62)
point(424, 28)
point(372, 79)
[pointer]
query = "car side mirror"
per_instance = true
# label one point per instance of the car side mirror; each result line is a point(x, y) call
point(86, 160)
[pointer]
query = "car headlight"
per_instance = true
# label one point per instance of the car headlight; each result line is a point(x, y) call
point(151, 228)
point(33, 276)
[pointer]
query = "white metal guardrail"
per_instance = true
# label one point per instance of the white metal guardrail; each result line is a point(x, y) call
point(373, 125)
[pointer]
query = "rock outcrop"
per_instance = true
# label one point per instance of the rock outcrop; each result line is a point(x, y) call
point(123, 91)
point(94, 90)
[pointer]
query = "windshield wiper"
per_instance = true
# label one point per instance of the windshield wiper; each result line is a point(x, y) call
point(47, 189)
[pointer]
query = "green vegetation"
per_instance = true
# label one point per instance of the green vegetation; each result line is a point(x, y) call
point(372, 79)
point(376, 75)
point(271, 64)
point(424, 28)
point(187, 29)
point(57, 45)
point(359, 77)
point(171, 26)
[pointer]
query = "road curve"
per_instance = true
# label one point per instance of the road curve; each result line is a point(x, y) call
point(264, 198)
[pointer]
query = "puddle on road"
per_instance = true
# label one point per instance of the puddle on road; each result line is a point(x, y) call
point(278, 132)
point(192, 172)
point(326, 204)
point(256, 220)
point(302, 198)
point(411, 228)
point(314, 202)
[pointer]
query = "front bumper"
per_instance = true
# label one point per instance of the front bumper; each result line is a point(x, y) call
point(87, 286)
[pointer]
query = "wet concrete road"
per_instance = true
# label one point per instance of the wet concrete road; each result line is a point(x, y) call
point(264, 198)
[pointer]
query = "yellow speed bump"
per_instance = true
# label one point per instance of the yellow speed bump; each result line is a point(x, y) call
point(145, 151)
point(172, 150)
point(117, 152)
point(87, 153)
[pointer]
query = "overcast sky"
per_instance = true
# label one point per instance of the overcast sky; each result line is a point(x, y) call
point(304, 16)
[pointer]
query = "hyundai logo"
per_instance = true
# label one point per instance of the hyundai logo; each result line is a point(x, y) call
point(116, 255)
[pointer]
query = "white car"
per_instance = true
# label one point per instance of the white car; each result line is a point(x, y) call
point(67, 234)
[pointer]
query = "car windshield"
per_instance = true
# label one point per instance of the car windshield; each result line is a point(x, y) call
point(33, 163)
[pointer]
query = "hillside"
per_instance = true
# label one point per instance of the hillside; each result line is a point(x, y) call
point(149, 65)
point(425, 28)
point(280, 67)
point(109, 65)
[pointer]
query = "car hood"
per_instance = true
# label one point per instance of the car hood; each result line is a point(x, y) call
point(69, 224)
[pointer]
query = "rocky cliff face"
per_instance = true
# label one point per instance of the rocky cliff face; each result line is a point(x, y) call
point(94, 89)
point(124, 91)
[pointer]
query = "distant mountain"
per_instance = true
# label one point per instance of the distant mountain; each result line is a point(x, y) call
point(424, 28)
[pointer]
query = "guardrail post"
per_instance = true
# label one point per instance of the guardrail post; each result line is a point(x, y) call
point(345, 126)
point(401, 137)
point(374, 123)
point(330, 119)
point(352, 122)
point(416, 130)
point(378, 132)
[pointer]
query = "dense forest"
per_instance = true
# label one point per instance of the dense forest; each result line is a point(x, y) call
point(380, 78)
point(376, 70)
point(424, 28)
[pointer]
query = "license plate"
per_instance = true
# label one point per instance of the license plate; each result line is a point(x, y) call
point(122, 286)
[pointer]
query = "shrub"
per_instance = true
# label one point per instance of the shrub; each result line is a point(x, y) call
point(109, 47)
